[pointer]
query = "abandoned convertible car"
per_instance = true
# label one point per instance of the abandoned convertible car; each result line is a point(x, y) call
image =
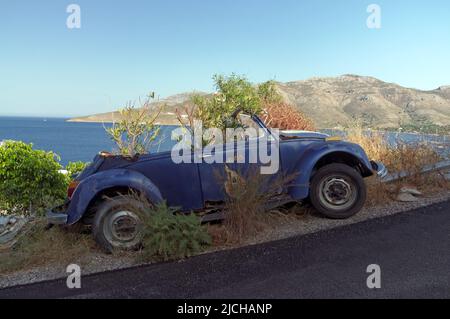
point(329, 173)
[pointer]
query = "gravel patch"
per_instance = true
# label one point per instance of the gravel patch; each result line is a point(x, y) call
point(311, 222)
point(284, 227)
point(90, 264)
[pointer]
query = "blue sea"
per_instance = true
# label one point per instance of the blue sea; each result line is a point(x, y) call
point(82, 141)
point(71, 141)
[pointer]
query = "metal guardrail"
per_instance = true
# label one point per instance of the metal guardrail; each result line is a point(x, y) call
point(441, 166)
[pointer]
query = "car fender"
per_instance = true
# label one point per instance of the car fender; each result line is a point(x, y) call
point(95, 184)
point(306, 164)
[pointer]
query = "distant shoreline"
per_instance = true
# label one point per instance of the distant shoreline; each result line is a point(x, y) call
point(32, 117)
point(164, 119)
point(76, 120)
point(388, 130)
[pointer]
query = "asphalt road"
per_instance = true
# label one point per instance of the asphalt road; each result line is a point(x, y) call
point(412, 249)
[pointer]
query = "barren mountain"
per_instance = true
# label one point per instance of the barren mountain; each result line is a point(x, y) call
point(338, 101)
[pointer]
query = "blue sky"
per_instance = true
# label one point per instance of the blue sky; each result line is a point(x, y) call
point(125, 49)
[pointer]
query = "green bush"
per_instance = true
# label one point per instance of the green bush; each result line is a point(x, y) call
point(234, 93)
point(172, 236)
point(268, 93)
point(137, 129)
point(75, 168)
point(29, 179)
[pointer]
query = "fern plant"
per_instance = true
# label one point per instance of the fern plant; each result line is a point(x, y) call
point(172, 236)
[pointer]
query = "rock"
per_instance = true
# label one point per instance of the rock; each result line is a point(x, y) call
point(407, 198)
point(408, 194)
point(10, 227)
point(4, 222)
point(410, 190)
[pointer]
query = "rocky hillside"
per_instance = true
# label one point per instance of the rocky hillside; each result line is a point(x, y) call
point(333, 102)
point(338, 101)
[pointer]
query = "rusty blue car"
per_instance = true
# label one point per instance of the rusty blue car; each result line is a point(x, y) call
point(329, 174)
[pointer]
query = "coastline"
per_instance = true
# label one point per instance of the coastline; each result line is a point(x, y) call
point(172, 121)
point(164, 119)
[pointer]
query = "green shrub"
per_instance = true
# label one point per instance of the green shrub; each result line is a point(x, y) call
point(75, 168)
point(172, 236)
point(234, 93)
point(137, 129)
point(29, 179)
point(267, 91)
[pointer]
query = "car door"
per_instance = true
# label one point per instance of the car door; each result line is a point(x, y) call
point(179, 184)
point(238, 158)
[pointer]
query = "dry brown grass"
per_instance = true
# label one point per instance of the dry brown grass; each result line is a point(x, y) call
point(224, 236)
point(409, 158)
point(246, 211)
point(39, 247)
point(285, 117)
point(245, 204)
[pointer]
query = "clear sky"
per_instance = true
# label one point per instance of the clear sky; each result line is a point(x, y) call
point(125, 49)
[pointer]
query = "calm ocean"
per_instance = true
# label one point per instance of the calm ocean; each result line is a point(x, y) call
point(81, 141)
point(71, 141)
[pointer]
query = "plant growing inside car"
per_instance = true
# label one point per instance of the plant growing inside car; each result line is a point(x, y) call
point(285, 117)
point(268, 93)
point(137, 128)
point(234, 94)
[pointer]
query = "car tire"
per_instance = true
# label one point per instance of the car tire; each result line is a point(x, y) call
point(338, 191)
point(119, 224)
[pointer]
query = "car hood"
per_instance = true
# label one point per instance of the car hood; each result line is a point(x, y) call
point(304, 134)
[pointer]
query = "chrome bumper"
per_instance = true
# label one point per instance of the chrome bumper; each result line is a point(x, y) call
point(379, 169)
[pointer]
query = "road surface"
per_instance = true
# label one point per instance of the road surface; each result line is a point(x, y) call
point(412, 249)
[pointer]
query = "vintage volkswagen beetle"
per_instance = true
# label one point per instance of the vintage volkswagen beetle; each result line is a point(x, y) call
point(330, 174)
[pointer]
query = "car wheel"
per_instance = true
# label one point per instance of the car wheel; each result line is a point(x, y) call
point(119, 223)
point(338, 191)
